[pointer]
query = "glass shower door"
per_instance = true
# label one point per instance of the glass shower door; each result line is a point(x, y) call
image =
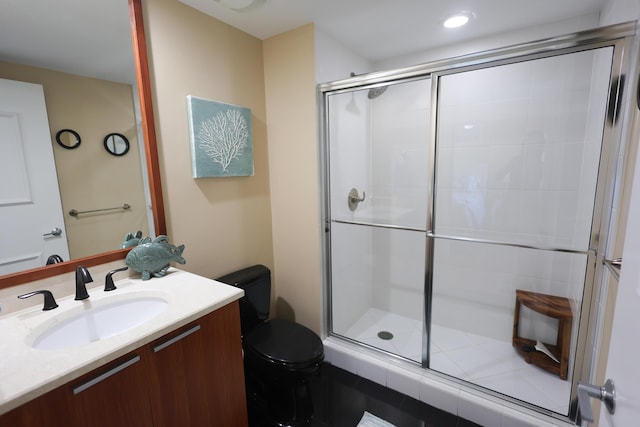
point(378, 181)
point(517, 162)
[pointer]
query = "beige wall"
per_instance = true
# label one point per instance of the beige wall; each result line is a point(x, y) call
point(225, 223)
point(289, 66)
point(229, 223)
point(88, 176)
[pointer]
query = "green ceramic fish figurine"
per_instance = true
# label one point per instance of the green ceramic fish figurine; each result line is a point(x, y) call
point(152, 257)
point(131, 240)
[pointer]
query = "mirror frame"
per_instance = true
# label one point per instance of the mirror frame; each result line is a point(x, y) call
point(153, 166)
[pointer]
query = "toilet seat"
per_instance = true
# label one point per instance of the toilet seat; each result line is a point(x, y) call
point(283, 345)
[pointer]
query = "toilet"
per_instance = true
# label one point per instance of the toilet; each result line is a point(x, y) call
point(279, 355)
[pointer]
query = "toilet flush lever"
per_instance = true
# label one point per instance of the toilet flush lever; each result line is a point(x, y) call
point(354, 198)
point(606, 393)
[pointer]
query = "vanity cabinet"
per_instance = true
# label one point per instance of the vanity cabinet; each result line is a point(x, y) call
point(192, 377)
point(113, 395)
point(210, 390)
point(49, 410)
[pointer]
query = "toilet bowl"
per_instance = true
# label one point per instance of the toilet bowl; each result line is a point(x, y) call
point(279, 355)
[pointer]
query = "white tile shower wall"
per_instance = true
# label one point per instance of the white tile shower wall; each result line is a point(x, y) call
point(400, 145)
point(352, 267)
point(525, 178)
point(601, 69)
point(350, 151)
point(399, 272)
point(512, 156)
point(479, 281)
point(351, 246)
point(379, 147)
point(400, 182)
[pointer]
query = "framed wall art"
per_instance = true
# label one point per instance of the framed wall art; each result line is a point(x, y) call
point(220, 137)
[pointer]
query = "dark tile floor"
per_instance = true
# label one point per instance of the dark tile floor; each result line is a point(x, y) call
point(340, 398)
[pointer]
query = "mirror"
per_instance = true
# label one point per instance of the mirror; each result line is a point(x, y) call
point(148, 141)
point(116, 144)
point(68, 139)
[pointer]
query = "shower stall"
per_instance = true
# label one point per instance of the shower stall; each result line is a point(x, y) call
point(467, 205)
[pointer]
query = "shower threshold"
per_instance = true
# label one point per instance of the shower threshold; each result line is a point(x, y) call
point(480, 360)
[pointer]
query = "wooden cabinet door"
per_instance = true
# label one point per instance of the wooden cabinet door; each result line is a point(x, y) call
point(191, 377)
point(48, 410)
point(113, 395)
point(196, 375)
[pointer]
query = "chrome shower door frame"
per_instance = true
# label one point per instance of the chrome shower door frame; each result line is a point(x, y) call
point(620, 38)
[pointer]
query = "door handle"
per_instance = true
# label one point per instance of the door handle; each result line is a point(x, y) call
point(55, 232)
point(606, 393)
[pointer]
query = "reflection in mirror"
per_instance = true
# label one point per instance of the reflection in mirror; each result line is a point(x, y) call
point(95, 103)
point(21, 62)
point(68, 138)
point(116, 144)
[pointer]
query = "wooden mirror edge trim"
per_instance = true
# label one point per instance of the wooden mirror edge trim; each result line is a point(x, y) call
point(61, 268)
point(148, 129)
point(146, 110)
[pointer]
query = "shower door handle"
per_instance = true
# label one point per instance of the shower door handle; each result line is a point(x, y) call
point(606, 393)
point(354, 198)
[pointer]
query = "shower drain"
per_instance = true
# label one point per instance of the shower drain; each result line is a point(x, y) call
point(385, 335)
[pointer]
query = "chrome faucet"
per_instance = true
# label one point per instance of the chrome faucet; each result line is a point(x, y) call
point(82, 278)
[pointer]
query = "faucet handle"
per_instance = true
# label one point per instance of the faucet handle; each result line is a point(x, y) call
point(108, 280)
point(49, 301)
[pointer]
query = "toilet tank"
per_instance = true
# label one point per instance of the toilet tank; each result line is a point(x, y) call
point(256, 283)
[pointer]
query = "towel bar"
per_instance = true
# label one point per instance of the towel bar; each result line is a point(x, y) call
point(74, 212)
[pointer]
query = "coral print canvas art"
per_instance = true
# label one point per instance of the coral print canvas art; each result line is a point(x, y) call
point(221, 139)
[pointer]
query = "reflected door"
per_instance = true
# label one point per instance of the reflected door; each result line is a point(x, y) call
point(29, 191)
point(517, 180)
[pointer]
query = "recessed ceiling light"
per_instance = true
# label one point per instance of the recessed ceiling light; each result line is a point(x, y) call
point(458, 19)
point(241, 5)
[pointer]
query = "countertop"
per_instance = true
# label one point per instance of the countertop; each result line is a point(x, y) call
point(26, 373)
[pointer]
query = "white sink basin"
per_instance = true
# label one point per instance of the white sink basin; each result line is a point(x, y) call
point(105, 320)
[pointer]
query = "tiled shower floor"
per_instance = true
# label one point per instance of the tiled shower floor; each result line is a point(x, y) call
point(480, 360)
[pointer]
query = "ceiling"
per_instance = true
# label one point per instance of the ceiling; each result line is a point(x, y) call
point(84, 37)
point(92, 37)
point(383, 29)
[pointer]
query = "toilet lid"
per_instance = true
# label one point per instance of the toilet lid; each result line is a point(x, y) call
point(284, 342)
